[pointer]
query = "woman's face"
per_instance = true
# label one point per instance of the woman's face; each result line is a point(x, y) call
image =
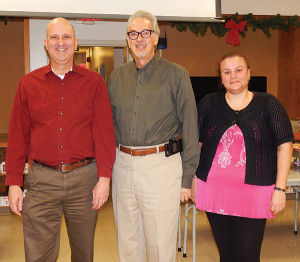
point(235, 74)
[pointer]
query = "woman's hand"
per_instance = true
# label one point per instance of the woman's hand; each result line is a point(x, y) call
point(284, 156)
point(278, 201)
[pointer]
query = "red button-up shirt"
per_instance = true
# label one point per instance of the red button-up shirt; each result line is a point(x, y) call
point(58, 121)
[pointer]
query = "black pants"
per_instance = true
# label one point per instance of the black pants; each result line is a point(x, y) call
point(238, 239)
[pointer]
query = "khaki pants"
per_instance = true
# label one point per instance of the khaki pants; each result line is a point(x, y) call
point(51, 194)
point(146, 199)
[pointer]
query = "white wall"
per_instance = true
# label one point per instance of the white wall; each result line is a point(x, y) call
point(166, 10)
point(261, 7)
point(113, 33)
point(99, 34)
point(112, 9)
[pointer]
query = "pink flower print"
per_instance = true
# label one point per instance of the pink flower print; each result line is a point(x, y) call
point(222, 212)
point(229, 137)
point(224, 158)
point(242, 161)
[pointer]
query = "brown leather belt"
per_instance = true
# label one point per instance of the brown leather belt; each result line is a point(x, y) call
point(67, 167)
point(141, 151)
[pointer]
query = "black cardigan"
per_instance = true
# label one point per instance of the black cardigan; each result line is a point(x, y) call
point(264, 124)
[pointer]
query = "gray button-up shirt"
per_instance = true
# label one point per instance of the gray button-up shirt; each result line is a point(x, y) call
point(154, 104)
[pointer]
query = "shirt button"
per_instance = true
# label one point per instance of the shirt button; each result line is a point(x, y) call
point(61, 113)
point(62, 162)
point(60, 146)
point(62, 84)
point(60, 129)
point(62, 98)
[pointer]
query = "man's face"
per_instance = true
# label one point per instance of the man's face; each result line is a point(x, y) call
point(142, 49)
point(60, 42)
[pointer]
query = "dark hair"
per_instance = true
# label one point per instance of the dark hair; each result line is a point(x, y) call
point(234, 54)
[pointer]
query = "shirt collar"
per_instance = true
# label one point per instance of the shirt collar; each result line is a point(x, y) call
point(77, 69)
point(149, 66)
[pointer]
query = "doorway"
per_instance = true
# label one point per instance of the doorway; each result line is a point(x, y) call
point(101, 59)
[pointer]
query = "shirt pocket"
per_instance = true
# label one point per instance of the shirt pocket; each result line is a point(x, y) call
point(42, 108)
point(82, 105)
point(157, 106)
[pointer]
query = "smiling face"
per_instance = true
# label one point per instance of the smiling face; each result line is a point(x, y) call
point(60, 43)
point(143, 49)
point(235, 74)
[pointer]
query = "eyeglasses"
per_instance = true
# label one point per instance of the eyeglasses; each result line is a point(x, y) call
point(133, 35)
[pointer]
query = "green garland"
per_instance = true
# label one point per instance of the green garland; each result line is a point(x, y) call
point(4, 19)
point(218, 29)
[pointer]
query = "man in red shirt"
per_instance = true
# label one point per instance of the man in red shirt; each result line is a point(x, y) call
point(62, 119)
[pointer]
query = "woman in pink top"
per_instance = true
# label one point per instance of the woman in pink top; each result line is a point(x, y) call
point(246, 146)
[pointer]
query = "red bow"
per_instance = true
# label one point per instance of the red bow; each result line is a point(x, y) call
point(233, 34)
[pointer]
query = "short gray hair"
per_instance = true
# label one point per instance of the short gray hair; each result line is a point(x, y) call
point(147, 15)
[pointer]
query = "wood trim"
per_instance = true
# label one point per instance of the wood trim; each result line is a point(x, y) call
point(3, 137)
point(241, 16)
point(289, 71)
point(3, 143)
point(26, 46)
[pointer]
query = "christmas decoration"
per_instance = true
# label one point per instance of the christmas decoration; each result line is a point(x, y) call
point(4, 19)
point(233, 37)
point(265, 24)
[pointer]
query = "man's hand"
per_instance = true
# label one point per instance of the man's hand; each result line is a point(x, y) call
point(15, 199)
point(185, 194)
point(194, 189)
point(100, 192)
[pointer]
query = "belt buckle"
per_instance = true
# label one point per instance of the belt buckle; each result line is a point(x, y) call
point(62, 168)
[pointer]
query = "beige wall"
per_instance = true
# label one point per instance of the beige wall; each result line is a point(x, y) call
point(200, 55)
point(12, 66)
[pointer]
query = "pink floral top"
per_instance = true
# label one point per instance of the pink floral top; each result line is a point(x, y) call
point(225, 191)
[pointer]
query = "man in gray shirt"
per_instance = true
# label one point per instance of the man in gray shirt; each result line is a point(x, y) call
point(155, 118)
